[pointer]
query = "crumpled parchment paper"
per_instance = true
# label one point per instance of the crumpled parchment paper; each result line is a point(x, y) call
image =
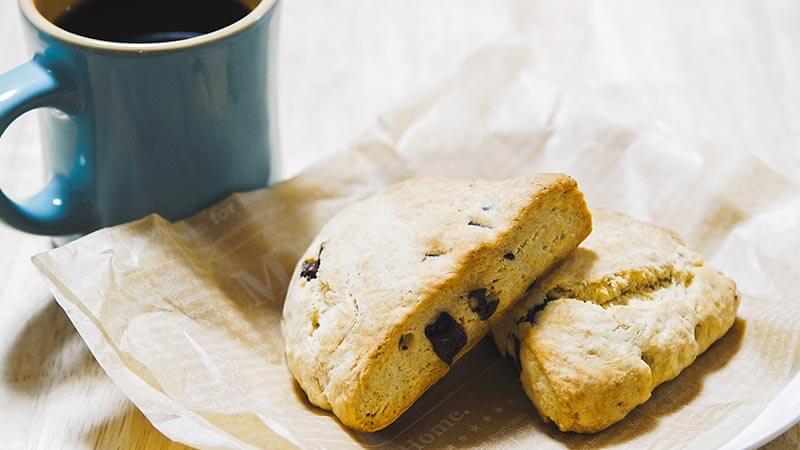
point(184, 317)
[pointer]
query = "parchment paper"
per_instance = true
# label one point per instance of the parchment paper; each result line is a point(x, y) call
point(184, 317)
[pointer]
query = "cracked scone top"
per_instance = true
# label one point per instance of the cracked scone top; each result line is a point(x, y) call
point(625, 312)
point(397, 287)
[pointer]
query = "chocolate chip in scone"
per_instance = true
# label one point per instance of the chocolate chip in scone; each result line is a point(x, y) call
point(477, 294)
point(487, 207)
point(405, 341)
point(480, 305)
point(489, 309)
point(432, 254)
point(531, 315)
point(474, 223)
point(309, 269)
point(509, 256)
point(446, 336)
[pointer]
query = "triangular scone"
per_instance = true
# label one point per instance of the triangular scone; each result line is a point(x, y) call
point(627, 311)
point(396, 288)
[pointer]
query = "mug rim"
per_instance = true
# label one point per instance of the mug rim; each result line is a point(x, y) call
point(32, 14)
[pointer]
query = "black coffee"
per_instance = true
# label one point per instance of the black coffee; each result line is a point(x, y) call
point(149, 21)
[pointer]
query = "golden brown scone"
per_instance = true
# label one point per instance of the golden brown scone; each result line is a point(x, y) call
point(627, 311)
point(396, 288)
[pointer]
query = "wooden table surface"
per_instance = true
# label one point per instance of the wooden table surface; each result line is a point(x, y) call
point(342, 64)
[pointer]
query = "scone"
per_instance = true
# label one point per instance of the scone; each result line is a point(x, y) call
point(627, 311)
point(397, 287)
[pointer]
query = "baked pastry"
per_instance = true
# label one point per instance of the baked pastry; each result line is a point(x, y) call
point(397, 287)
point(627, 311)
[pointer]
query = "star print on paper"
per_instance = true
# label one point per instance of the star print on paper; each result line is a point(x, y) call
point(474, 428)
point(462, 438)
point(498, 410)
point(510, 401)
point(487, 418)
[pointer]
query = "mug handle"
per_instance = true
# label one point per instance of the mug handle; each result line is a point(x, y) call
point(57, 209)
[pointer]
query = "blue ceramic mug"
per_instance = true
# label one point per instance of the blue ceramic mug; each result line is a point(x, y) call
point(133, 129)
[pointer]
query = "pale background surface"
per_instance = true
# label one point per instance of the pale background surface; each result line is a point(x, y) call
point(345, 62)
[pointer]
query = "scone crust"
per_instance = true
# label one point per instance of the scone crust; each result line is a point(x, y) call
point(627, 311)
point(385, 259)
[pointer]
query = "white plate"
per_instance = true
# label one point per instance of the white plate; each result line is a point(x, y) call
point(780, 415)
